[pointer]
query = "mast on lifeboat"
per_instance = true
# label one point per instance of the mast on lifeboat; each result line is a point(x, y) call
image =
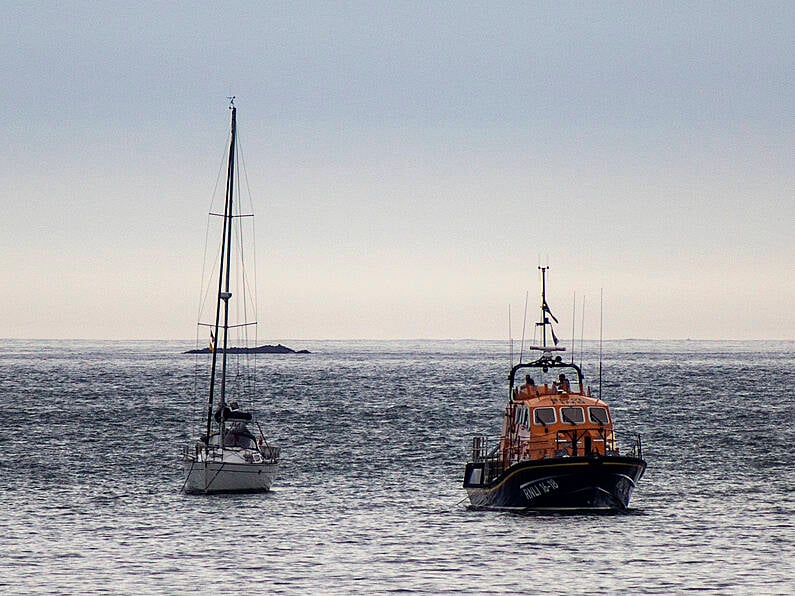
point(224, 294)
point(545, 311)
point(545, 361)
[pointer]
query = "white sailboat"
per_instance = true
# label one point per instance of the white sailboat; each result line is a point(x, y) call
point(232, 454)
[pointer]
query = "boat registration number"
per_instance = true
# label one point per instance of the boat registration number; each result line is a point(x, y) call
point(533, 490)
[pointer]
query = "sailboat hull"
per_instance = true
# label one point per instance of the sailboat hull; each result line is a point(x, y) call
point(228, 477)
point(565, 484)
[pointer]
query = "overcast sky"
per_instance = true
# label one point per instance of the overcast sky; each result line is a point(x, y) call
point(410, 163)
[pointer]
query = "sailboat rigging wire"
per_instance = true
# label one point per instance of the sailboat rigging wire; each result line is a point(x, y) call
point(187, 476)
point(206, 281)
point(252, 289)
point(220, 469)
point(241, 305)
point(524, 323)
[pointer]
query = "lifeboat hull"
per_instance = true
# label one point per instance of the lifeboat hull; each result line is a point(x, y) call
point(561, 484)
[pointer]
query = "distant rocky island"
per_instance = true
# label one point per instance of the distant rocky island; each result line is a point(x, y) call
point(277, 349)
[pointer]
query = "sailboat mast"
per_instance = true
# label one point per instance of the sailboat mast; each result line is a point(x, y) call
point(223, 285)
point(226, 294)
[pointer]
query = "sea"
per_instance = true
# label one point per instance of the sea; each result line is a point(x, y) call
point(374, 437)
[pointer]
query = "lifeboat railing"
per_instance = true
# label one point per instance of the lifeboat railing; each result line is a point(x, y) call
point(484, 453)
point(581, 442)
point(480, 449)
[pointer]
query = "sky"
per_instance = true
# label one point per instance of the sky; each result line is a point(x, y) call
point(410, 163)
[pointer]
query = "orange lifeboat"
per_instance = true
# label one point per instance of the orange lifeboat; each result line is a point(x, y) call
point(557, 448)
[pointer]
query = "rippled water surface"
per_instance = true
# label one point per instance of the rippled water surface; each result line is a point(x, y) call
point(374, 438)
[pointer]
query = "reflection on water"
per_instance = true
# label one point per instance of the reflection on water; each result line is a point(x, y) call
point(369, 499)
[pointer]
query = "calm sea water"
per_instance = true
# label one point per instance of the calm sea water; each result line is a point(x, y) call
point(374, 438)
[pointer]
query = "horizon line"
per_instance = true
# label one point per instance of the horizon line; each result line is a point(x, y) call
point(395, 339)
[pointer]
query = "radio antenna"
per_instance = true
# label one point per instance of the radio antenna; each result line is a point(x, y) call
point(573, 319)
point(524, 322)
point(582, 331)
point(510, 338)
point(601, 326)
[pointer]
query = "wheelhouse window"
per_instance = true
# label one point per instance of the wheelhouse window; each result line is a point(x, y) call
point(598, 415)
point(521, 416)
point(544, 416)
point(572, 415)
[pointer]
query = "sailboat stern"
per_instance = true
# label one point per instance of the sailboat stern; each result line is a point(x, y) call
point(230, 470)
point(222, 477)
